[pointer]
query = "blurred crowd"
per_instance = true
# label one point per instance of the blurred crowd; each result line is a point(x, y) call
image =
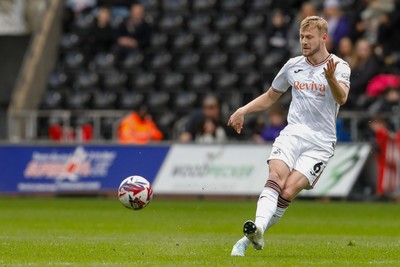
point(365, 33)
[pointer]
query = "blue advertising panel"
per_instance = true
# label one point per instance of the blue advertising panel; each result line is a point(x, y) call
point(75, 168)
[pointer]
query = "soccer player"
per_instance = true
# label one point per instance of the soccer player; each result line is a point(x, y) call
point(320, 83)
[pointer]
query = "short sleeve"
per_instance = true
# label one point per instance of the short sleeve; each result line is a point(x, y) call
point(281, 82)
point(343, 72)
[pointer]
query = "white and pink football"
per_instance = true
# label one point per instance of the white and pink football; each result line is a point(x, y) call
point(135, 192)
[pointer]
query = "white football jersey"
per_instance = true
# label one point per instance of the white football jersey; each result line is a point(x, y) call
point(313, 110)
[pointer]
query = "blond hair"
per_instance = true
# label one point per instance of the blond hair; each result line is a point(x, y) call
point(313, 22)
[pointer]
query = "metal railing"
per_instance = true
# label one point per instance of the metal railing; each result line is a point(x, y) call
point(28, 128)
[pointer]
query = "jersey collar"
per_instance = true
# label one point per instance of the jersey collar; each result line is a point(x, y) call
point(319, 64)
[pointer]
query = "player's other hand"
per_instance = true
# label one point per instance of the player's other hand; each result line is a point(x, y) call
point(236, 120)
point(330, 69)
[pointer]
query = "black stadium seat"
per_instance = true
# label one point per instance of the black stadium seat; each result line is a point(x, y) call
point(158, 42)
point(57, 79)
point(252, 23)
point(114, 80)
point(230, 6)
point(78, 99)
point(175, 6)
point(243, 61)
point(208, 41)
point(206, 6)
point(143, 81)
point(171, 82)
point(132, 62)
point(160, 62)
point(70, 41)
point(103, 62)
point(200, 23)
point(215, 61)
point(199, 82)
point(184, 41)
point(75, 61)
point(260, 6)
point(104, 100)
point(130, 100)
point(225, 81)
point(235, 42)
point(86, 80)
point(225, 23)
point(53, 100)
point(171, 23)
point(187, 62)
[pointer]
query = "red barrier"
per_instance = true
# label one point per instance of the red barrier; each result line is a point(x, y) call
point(388, 161)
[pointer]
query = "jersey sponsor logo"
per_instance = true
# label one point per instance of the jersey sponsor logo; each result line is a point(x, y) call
point(345, 76)
point(309, 86)
point(297, 71)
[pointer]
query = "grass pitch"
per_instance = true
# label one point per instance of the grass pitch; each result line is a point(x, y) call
point(101, 232)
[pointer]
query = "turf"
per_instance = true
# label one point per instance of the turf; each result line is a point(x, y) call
point(101, 232)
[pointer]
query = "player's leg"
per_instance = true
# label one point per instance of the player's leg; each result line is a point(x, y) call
point(266, 207)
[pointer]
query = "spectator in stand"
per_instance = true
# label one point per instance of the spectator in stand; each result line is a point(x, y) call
point(210, 132)
point(276, 123)
point(210, 110)
point(345, 49)
point(277, 33)
point(101, 36)
point(134, 33)
point(338, 24)
point(389, 102)
point(307, 9)
point(389, 35)
point(364, 66)
point(138, 128)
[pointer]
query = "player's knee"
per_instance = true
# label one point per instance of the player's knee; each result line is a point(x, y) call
point(288, 193)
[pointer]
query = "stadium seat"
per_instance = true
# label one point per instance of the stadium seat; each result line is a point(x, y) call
point(74, 61)
point(158, 101)
point(259, 44)
point(77, 99)
point(243, 61)
point(187, 62)
point(200, 23)
point(175, 6)
point(171, 23)
point(164, 120)
point(225, 23)
point(216, 61)
point(250, 79)
point(160, 62)
point(103, 62)
point(132, 62)
point(86, 80)
point(142, 81)
point(260, 6)
point(114, 80)
point(225, 81)
point(151, 5)
point(272, 60)
point(234, 42)
point(104, 99)
point(252, 23)
point(184, 101)
point(171, 82)
point(70, 41)
point(158, 42)
point(53, 100)
point(57, 79)
point(199, 82)
point(83, 23)
point(130, 100)
point(232, 6)
point(206, 6)
point(208, 42)
point(183, 42)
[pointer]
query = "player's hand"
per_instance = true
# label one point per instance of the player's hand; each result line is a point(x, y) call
point(236, 120)
point(330, 69)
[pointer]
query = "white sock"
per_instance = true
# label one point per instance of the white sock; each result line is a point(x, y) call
point(267, 204)
point(283, 204)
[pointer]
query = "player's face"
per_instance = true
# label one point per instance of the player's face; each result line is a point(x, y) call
point(311, 41)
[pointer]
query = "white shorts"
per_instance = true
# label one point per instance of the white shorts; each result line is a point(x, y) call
point(301, 155)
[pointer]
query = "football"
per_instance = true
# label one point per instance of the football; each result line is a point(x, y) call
point(135, 192)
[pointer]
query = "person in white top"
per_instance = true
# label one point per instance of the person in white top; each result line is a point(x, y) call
point(320, 83)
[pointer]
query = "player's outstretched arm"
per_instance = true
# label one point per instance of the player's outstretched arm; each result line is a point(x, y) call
point(339, 90)
point(260, 103)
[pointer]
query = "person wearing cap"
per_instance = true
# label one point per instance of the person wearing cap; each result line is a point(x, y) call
point(195, 124)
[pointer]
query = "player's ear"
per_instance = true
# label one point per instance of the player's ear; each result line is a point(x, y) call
point(325, 37)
